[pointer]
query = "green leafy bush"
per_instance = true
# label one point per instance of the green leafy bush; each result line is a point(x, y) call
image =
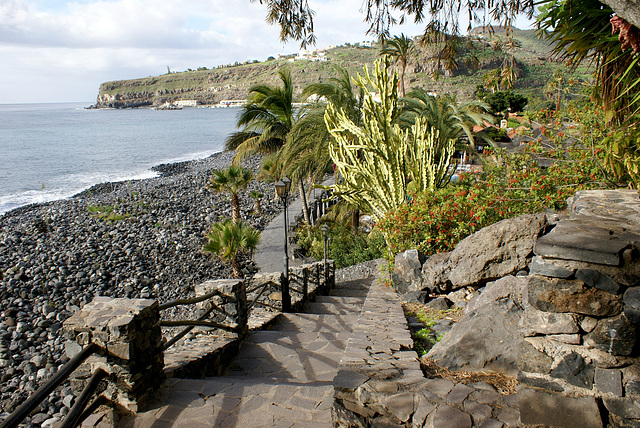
point(509, 185)
point(346, 246)
point(502, 101)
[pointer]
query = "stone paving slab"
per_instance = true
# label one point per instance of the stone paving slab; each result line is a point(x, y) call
point(280, 377)
point(230, 402)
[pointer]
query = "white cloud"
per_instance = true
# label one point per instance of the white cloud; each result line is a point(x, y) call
point(61, 50)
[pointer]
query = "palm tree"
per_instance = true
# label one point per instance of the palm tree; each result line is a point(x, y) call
point(267, 118)
point(231, 180)
point(306, 153)
point(228, 240)
point(257, 206)
point(400, 48)
point(443, 114)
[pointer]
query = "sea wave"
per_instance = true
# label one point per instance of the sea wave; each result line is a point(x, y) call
point(65, 187)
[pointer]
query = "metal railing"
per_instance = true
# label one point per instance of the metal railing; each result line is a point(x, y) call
point(77, 413)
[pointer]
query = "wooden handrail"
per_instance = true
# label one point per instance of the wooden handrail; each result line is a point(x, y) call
point(73, 417)
point(60, 376)
point(192, 300)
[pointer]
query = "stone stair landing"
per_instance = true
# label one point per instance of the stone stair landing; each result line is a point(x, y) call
point(281, 377)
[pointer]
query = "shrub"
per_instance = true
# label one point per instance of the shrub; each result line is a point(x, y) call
point(502, 101)
point(510, 185)
point(346, 246)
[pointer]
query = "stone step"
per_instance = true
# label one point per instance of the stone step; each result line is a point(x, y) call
point(340, 300)
point(350, 292)
point(290, 355)
point(342, 323)
point(332, 308)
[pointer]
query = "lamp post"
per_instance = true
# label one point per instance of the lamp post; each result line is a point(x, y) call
point(325, 230)
point(282, 189)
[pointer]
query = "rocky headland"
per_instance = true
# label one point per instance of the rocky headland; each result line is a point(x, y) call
point(127, 239)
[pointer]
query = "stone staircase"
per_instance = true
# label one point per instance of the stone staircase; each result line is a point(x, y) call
point(281, 377)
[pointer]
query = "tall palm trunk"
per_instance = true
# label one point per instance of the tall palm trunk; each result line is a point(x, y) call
point(235, 208)
point(237, 268)
point(305, 204)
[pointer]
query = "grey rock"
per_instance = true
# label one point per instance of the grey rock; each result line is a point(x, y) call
point(440, 387)
point(631, 300)
point(542, 408)
point(537, 382)
point(623, 407)
point(491, 423)
point(500, 249)
point(458, 394)
point(632, 388)
point(597, 279)
point(479, 412)
point(562, 295)
point(486, 338)
point(540, 266)
point(446, 416)
point(508, 287)
point(435, 273)
point(535, 322)
point(616, 336)
point(406, 274)
point(571, 339)
point(573, 239)
point(532, 360)
point(609, 380)
point(574, 370)
point(588, 324)
point(440, 303)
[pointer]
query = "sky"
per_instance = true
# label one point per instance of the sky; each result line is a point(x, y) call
point(61, 50)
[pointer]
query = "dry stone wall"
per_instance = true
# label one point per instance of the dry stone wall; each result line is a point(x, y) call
point(565, 321)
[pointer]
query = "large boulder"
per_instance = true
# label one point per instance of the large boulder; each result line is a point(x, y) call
point(487, 337)
point(493, 252)
point(406, 271)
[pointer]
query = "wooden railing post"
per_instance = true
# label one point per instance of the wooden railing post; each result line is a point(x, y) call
point(242, 308)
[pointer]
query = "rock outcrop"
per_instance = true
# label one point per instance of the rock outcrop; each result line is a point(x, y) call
point(498, 250)
point(567, 328)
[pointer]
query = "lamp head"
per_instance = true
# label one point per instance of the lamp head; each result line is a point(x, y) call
point(281, 189)
point(287, 182)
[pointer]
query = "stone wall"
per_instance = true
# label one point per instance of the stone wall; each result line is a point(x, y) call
point(129, 336)
point(131, 344)
point(561, 313)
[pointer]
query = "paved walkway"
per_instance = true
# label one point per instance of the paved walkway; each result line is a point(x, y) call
point(281, 377)
point(269, 256)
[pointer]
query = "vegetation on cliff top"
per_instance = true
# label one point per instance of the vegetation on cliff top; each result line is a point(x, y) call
point(232, 82)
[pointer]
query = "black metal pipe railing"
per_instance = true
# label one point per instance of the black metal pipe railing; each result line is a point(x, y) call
point(43, 392)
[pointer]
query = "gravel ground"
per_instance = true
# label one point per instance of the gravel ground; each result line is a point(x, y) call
point(56, 257)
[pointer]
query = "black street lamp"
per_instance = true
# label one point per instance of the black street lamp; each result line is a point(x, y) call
point(282, 189)
point(325, 230)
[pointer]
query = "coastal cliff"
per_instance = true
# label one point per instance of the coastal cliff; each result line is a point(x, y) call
point(232, 82)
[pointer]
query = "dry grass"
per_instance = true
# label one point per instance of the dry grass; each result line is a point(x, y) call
point(505, 385)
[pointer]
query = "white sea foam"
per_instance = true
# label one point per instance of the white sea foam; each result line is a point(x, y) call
point(54, 151)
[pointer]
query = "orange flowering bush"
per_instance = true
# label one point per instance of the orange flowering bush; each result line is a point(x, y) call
point(540, 176)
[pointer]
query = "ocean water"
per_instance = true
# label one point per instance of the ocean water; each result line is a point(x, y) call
point(53, 151)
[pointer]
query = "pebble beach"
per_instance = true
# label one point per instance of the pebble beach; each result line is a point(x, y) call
point(138, 239)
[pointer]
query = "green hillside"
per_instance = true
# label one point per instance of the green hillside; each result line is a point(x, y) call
point(481, 54)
